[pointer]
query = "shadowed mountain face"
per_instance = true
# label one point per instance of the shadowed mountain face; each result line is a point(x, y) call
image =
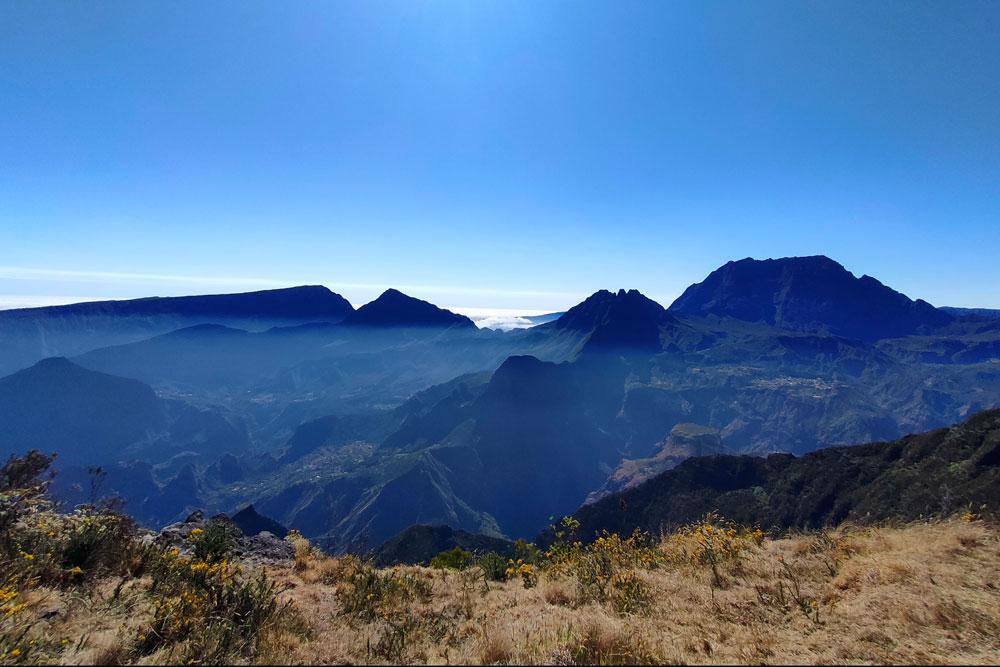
point(90, 418)
point(809, 294)
point(395, 309)
point(622, 321)
point(30, 334)
point(536, 423)
point(918, 475)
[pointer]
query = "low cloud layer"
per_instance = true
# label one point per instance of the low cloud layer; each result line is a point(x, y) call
point(503, 319)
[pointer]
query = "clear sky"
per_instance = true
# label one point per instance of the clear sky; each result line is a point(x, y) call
point(494, 154)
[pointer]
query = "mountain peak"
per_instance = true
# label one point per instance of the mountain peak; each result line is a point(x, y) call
point(251, 522)
point(394, 309)
point(60, 369)
point(813, 293)
point(623, 319)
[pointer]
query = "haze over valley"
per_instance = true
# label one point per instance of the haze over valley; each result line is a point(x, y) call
point(353, 424)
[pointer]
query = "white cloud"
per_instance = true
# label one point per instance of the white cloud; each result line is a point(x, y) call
point(504, 319)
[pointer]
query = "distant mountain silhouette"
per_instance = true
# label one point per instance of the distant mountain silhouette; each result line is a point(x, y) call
point(395, 309)
point(30, 334)
point(809, 294)
point(617, 320)
point(307, 302)
point(986, 313)
point(90, 418)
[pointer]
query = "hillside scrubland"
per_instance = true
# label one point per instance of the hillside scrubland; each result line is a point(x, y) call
point(91, 587)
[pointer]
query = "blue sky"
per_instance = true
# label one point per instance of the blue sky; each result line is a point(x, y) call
point(494, 154)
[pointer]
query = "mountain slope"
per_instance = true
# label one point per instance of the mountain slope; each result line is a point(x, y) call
point(929, 473)
point(808, 294)
point(92, 418)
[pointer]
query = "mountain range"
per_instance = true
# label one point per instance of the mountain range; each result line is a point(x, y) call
point(30, 334)
point(353, 425)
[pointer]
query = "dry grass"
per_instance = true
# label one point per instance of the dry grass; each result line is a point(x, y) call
point(922, 593)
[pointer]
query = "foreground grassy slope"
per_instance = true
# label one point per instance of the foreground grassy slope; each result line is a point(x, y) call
point(711, 592)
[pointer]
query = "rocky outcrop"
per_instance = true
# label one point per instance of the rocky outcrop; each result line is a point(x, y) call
point(262, 547)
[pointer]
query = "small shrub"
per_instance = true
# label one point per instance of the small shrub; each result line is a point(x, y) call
point(602, 643)
point(371, 593)
point(629, 595)
point(528, 552)
point(557, 592)
point(495, 647)
point(215, 542)
point(453, 559)
point(97, 543)
point(565, 548)
point(526, 571)
point(217, 611)
point(713, 541)
point(605, 570)
point(493, 565)
point(304, 552)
